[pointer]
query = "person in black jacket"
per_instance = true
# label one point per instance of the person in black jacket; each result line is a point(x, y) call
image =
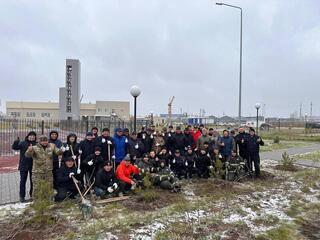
point(164, 155)
point(65, 185)
point(241, 140)
point(188, 138)
point(53, 138)
point(253, 147)
point(168, 138)
point(179, 141)
point(135, 147)
point(95, 131)
point(106, 143)
point(106, 181)
point(147, 140)
point(203, 164)
point(178, 165)
point(25, 164)
point(93, 163)
point(190, 161)
point(71, 147)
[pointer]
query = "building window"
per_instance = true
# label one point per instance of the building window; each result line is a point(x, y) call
point(31, 114)
point(15, 114)
point(99, 110)
point(45, 115)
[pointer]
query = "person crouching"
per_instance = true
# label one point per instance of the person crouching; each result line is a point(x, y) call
point(65, 185)
point(106, 184)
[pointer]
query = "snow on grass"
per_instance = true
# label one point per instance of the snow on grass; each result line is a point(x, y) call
point(147, 232)
point(11, 210)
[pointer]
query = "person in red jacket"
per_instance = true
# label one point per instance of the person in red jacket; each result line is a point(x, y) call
point(196, 133)
point(124, 173)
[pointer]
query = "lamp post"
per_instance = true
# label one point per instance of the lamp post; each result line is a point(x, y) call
point(305, 122)
point(135, 92)
point(240, 72)
point(257, 106)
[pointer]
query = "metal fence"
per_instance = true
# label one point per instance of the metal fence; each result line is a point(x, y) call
point(11, 129)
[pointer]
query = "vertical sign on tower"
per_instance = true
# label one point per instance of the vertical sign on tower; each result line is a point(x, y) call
point(68, 88)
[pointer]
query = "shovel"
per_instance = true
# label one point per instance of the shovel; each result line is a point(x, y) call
point(85, 206)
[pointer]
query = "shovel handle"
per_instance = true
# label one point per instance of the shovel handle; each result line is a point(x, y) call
point(75, 182)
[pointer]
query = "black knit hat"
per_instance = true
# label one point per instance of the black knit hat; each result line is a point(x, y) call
point(97, 149)
point(107, 163)
point(106, 130)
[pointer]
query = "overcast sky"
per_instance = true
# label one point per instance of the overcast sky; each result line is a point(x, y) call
point(185, 48)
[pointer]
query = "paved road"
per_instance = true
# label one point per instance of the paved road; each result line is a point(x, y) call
point(9, 182)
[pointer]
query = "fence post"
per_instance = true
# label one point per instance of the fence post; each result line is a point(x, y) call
point(42, 127)
point(87, 124)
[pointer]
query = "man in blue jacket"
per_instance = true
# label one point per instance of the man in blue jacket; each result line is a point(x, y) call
point(120, 146)
point(227, 145)
point(25, 163)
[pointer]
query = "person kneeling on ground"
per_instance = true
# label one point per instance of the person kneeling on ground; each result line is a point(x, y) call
point(106, 184)
point(124, 172)
point(165, 178)
point(203, 164)
point(65, 185)
point(144, 165)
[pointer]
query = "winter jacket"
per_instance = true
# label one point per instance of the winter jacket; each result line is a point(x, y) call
point(168, 138)
point(190, 160)
point(135, 148)
point(25, 163)
point(124, 172)
point(63, 179)
point(158, 143)
point(102, 142)
point(166, 157)
point(188, 140)
point(179, 142)
point(147, 140)
point(253, 146)
point(58, 144)
point(71, 149)
point(98, 161)
point(178, 164)
point(195, 136)
point(105, 179)
point(203, 161)
point(228, 147)
point(241, 143)
point(145, 166)
point(120, 147)
point(87, 148)
point(202, 139)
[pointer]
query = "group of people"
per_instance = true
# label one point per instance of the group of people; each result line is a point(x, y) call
point(113, 166)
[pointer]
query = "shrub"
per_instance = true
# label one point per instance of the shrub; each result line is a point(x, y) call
point(276, 140)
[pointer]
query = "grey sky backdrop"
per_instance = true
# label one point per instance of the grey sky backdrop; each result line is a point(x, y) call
point(185, 48)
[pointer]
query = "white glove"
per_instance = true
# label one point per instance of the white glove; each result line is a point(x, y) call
point(220, 156)
point(160, 178)
point(109, 142)
point(78, 171)
point(63, 149)
point(67, 148)
point(115, 186)
point(151, 136)
point(185, 148)
point(210, 167)
point(208, 154)
point(110, 190)
point(136, 146)
point(169, 134)
point(157, 144)
point(74, 157)
point(143, 136)
point(142, 170)
point(174, 161)
point(113, 157)
point(186, 164)
point(71, 174)
point(126, 140)
point(80, 151)
point(133, 186)
point(103, 140)
point(90, 163)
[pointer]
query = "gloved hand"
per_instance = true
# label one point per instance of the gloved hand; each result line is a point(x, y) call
point(90, 163)
point(142, 170)
point(115, 186)
point(67, 148)
point(80, 151)
point(186, 164)
point(71, 174)
point(103, 140)
point(63, 149)
point(126, 141)
point(133, 185)
point(136, 146)
point(210, 167)
point(110, 190)
point(151, 136)
point(143, 136)
point(113, 157)
point(173, 161)
point(74, 157)
point(169, 134)
point(78, 171)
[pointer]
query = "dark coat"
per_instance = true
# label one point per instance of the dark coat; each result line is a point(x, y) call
point(147, 141)
point(105, 179)
point(203, 161)
point(58, 144)
point(63, 179)
point(25, 163)
point(188, 140)
point(253, 146)
point(87, 148)
point(179, 142)
point(102, 142)
point(97, 161)
point(135, 148)
point(168, 138)
point(241, 142)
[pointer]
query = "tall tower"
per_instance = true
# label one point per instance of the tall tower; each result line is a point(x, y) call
point(69, 96)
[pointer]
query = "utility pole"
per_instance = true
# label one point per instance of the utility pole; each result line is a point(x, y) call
point(300, 115)
point(311, 109)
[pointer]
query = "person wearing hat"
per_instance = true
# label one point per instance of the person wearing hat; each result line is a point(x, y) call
point(179, 140)
point(42, 154)
point(203, 164)
point(253, 143)
point(86, 147)
point(95, 131)
point(71, 147)
point(144, 164)
point(65, 186)
point(25, 164)
point(120, 146)
point(107, 145)
point(227, 145)
point(128, 175)
point(165, 179)
point(106, 184)
point(126, 133)
point(190, 161)
point(177, 164)
point(135, 147)
point(92, 164)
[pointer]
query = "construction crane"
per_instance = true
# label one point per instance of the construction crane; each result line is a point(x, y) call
point(170, 110)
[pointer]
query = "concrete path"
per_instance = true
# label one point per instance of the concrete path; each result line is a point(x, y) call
point(9, 182)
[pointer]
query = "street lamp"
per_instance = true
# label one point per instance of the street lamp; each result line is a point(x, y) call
point(135, 92)
point(240, 73)
point(257, 106)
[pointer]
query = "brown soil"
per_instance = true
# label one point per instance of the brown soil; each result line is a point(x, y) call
point(290, 168)
point(311, 229)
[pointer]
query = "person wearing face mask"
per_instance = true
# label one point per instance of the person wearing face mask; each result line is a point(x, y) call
point(25, 163)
